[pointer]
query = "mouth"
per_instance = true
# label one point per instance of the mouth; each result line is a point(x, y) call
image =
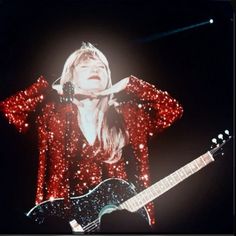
point(94, 77)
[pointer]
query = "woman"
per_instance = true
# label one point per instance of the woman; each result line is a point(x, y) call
point(83, 141)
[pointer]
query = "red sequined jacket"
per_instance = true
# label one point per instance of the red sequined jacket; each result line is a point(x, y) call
point(152, 111)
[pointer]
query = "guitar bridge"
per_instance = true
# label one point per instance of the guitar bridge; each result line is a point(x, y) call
point(76, 228)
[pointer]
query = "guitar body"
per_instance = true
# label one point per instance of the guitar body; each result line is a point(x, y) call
point(88, 208)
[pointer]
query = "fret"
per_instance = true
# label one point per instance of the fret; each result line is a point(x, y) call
point(135, 202)
point(153, 191)
point(186, 175)
point(203, 160)
point(151, 195)
point(132, 203)
point(146, 195)
point(189, 166)
point(176, 177)
point(124, 205)
point(128, 205)
point(143, 196)
point(194, 166)
point(200, 162)
point(161, 186)
point(171, 180)
point(158, 189)
point(166, 182)
point(182, 173)
point(207, 157)
point(187, 170)
point(195, 161)
point(140, 200)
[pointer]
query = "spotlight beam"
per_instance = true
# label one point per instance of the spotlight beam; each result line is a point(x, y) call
point(167, 33)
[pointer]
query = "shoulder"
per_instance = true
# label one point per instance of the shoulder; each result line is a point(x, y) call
point(132, 112)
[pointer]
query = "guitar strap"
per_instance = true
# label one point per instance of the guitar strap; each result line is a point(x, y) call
point(68, 92)
point(131, 165)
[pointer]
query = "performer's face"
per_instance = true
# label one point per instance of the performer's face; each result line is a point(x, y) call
point(90, 74)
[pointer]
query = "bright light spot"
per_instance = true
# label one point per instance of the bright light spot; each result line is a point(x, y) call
point(141, 146)
point(51, 199)
point(211, 21)
point(214, 140)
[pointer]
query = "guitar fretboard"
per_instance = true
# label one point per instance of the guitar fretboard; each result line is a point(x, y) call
point(165, 184)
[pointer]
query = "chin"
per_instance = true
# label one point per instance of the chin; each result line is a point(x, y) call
point(96, 89)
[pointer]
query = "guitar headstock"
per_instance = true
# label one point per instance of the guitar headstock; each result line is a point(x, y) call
point(219, 142)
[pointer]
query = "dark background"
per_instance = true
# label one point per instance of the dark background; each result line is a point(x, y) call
point(195, 66)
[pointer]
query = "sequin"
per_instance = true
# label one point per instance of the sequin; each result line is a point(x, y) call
point(75, 168)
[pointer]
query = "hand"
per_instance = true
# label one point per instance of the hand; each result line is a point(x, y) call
point(58, 88)
point(116, 88)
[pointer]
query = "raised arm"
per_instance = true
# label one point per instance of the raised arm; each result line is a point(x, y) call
point(17, 107)
point(160, 108)
point(146, 110)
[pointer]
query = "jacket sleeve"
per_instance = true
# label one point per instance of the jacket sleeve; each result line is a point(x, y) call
point(17, 107)
point(160, 108)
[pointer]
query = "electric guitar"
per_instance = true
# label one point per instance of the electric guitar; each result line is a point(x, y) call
point(117, 194)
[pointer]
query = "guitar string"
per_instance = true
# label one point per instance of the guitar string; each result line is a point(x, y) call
point(91, 225)
point(92, 229)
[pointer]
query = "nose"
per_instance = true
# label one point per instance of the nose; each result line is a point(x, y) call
point(95, 69)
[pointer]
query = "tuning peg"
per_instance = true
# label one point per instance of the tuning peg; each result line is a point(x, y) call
point(226, 132)
point(220, 136)
point(214, 140)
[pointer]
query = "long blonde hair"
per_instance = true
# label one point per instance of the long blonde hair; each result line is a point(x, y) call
point(111, 135)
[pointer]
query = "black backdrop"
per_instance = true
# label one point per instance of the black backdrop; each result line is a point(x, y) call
point(195, 66)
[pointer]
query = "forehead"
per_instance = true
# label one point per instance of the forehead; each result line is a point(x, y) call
point(88, 57)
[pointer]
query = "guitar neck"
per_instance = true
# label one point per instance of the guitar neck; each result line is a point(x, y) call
point(165, 184)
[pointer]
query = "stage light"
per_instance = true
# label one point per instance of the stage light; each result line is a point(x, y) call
point(174, 31)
